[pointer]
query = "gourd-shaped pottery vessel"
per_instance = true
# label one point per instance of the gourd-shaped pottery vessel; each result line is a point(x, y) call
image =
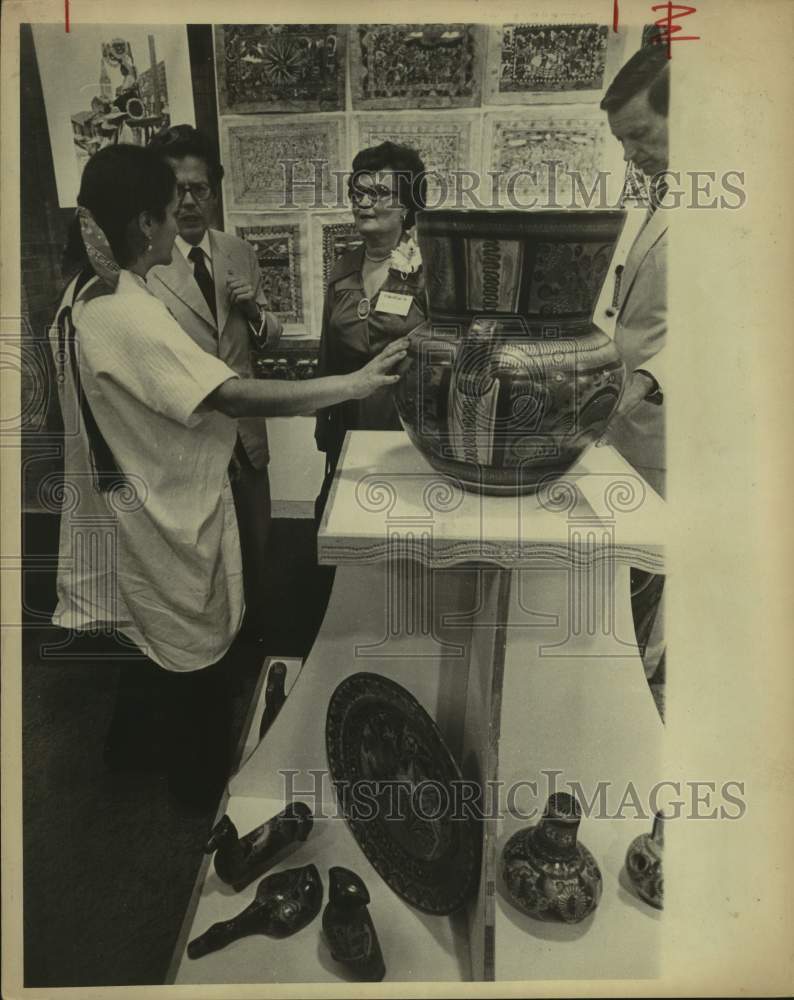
point(239, 860)
point(508, 380)
point(349, 929)
point(644, 864)
point(284, 903)
point(275, 696)
point(547, 872)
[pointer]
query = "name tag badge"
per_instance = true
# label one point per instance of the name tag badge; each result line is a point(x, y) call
point(393, 302)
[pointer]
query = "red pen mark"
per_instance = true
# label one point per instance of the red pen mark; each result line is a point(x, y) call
point(66, 13)
point(668, 28)
point(615, 15)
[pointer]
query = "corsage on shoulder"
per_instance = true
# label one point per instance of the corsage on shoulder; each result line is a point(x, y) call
point(406, 257)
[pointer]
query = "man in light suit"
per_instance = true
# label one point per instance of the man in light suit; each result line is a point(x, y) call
point(213, 287)
point(637, 105)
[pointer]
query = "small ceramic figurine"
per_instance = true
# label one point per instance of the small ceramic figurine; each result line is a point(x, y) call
point(644, 864)
point(548, 874)
point(349, 928)
point(275, 695)
point(238, 861)
point(285, 903)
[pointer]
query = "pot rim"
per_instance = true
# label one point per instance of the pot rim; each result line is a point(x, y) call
point(525, 216)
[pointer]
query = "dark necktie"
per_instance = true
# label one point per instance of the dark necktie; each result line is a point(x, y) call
point(204, 279)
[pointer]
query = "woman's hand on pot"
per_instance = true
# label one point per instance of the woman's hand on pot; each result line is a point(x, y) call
point(377, 373)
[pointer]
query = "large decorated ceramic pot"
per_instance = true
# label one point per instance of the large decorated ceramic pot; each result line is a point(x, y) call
point(509, 380)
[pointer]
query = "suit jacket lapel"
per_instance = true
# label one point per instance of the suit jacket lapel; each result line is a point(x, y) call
point(652, 230)
point(178, 276)
point(220, 267)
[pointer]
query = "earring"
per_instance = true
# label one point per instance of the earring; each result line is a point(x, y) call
point(149, 247)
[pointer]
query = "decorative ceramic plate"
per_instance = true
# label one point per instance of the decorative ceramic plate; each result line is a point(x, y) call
point(400, 791)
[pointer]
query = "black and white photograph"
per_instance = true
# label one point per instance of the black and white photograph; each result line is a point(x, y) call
point(388, 603)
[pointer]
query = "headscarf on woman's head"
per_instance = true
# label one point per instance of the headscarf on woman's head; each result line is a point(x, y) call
point(106, 473)
point(100, 256)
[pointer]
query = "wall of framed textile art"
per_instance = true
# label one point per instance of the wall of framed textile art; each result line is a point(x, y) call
point(296, 102)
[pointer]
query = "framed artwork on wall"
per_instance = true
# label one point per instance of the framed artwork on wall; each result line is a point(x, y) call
point(398, 66)
point(551, 157)
point(551, 63)
point(106, 84)
point(283, 162)
point(280, 67)
point(280, 242)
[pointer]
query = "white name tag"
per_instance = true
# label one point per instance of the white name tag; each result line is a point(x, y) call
point(393, 302)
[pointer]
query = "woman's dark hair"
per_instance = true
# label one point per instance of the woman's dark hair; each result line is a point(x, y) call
point(179, 141)
point(407, 165)
point(118, 183)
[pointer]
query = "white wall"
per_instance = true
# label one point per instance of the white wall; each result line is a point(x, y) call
point(296, 467)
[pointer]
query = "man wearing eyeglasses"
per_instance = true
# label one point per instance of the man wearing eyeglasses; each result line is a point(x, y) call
point(213, 287)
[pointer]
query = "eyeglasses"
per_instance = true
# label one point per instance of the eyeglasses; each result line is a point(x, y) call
point(199, 192)
point(378, 194)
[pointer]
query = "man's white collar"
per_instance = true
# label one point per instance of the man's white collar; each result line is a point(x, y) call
point(184, 247)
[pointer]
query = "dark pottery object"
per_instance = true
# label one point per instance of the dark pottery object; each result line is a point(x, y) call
point(349, 929)
point(399, 789)
point(285, 903)
point(644, 864)
point(509, 380)
point(239, 860)
point(275, 696)
point(548, 874)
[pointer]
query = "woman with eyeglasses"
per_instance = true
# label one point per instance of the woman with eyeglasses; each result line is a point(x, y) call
point(375, 293)
point(149, 543)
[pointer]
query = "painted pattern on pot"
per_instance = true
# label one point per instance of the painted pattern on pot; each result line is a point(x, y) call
point(644, 864)
point(547, 872)
point(509, 380)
